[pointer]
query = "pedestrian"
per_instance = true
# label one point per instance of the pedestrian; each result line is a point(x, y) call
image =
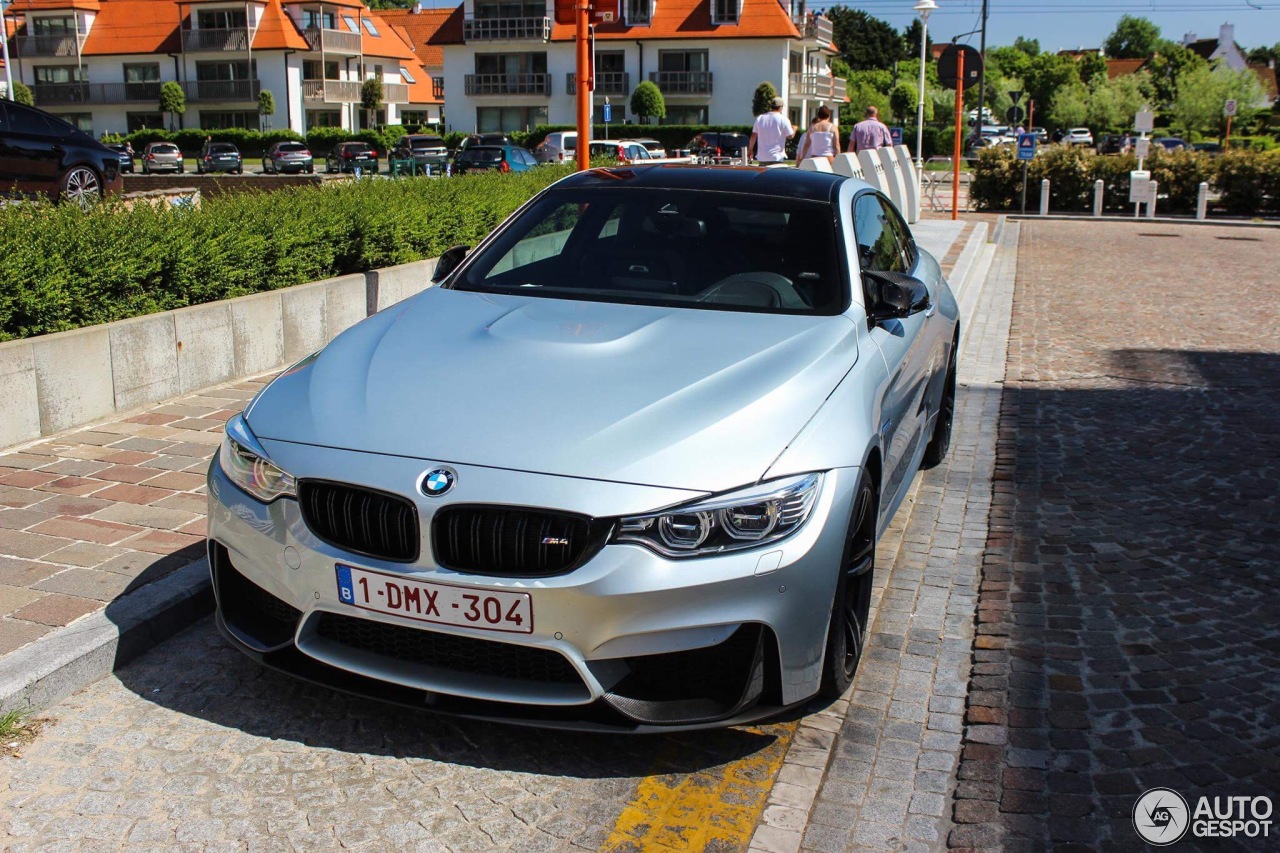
point(822, 141)
point(1020, 130)
point(770, 134)
point(1057, 135)
point(870, 133)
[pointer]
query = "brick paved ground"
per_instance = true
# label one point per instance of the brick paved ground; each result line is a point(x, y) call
point(1127, 634)
point(92, 515)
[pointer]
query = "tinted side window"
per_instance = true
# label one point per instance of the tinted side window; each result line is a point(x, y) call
point(29, 122)
point(878, 246)
point(903, 233)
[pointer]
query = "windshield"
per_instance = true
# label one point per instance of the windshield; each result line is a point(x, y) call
point(426, 142)
point(481, 155)
point(722, 251)
point(164, 149)
point(292, 146)
point(222, 149)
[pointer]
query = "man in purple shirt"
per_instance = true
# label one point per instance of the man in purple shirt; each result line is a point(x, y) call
point(870, 133)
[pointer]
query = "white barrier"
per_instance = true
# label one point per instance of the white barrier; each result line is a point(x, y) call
point(912, 179)
point(816, 164)
point(848, 165)
point(895, 186)
point(873, 170)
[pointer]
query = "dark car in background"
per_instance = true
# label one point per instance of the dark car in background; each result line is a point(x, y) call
point(220, 157)
point(1207, 147)
point(426, 151)
point(503, 158)
point(42, 155)
point(714, 147)
point(348, 156)
point(126, 155)
point(1171, 143)
point(288, 157)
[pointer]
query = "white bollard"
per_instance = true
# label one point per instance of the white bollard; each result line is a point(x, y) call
point(912, 180)
point(1098, 189)
point(873, 170)
point(1151, 207)
point(847, 165)
point(1044, 197)
point(1202, 201)
point(816, 164)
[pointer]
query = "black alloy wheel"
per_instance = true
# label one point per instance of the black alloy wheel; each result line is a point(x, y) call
point(940, 441)
point(851, 610)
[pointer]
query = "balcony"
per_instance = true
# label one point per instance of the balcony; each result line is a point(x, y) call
point(508, 84)
point(815, 28)
point(682, 82)
point(333, 41)
point(222, 91)
point(97, 93)
point(506, 29)
point(817, 87)
point(607, 83)
point(215, 40)
point(54, 45)
point(395, 93)
point(331, 91)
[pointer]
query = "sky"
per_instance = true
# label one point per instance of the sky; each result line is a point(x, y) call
point(1069, 24)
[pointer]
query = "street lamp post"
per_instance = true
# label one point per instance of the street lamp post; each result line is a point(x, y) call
point(923, 8)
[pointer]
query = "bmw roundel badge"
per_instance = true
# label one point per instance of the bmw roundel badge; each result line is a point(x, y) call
point(438, 481)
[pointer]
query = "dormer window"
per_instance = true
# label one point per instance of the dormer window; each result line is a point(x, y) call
point(724, 11)
point(638, 13)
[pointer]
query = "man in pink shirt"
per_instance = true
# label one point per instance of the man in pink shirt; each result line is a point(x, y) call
point(870, 133)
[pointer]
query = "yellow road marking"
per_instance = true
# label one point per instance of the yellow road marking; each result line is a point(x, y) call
point(713, 809)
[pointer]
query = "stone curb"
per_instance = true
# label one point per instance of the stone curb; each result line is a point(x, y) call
point(58, 664)
point(1159, 220)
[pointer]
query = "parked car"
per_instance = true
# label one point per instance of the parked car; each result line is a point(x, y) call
point(1171, 143)
point(162, 157)
point(347, 156)
point(425, 150)
point(126, 155)
point(715, 147)
point(750, 407)
point(1041, 135)
point(220, 157)
point(1078, 136)
point(559, 146)
point(43, 156)
point(1207, 147)
point(481, 139)
point(288, 157)
point(653, 146)
point(504, 158)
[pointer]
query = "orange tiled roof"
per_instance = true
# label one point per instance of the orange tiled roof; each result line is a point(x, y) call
point(19, 6)
point(421, 27)
point(386, 43)
point(351, 4)
point(421, 91)
point(134, 26)
point(1267, 77)
point(277, 31)
point(1121, 67)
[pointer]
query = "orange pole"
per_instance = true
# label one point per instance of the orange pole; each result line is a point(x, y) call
point(955, 160)
point(584, 88)
point(1226, 143)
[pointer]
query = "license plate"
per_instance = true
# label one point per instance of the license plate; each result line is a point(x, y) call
point(438, 603)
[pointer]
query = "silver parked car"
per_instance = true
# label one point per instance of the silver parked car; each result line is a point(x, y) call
point(162, 157)
point(288, 157)
point(624, 467)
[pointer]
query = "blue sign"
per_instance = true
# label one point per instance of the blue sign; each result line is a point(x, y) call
point(608, 113)
point(1026, 146)
point(895, 133)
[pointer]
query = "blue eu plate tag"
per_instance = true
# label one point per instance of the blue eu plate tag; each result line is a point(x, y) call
point(346, 591)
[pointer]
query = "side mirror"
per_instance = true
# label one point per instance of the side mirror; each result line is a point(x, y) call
point(448, 262)
point(894, 294)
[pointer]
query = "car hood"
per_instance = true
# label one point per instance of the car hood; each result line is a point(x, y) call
point(683, 398)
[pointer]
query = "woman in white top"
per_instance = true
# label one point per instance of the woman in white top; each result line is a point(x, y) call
point(821, 140)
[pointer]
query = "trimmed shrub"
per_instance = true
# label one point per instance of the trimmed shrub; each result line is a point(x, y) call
point(1250, 182)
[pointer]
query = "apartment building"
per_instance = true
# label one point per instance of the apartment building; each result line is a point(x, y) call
point(509, 66)
point(100, 63)
point(419, 27)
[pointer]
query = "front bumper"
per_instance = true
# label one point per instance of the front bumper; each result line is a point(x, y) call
point(634, 640)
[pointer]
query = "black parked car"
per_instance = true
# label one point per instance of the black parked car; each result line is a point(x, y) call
point(288, 157)
point(712, 147)
point(220, 157)
point(347, 156)
point(126, 155)
point(42, 155)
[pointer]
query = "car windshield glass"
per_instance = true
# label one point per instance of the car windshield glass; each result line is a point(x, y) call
point(721, 251)
point(481, 155)
point(222, 149)
point(165, 149)
point(292, 147)
point(357, 148)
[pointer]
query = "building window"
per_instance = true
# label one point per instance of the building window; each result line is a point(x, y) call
point(408, 78)
point(59, 74)
point(314, 69)
point(682, 60)
point(323, 118)
point(724, 11)
point(53, 26)
point(685, 114)
point(503, 119)
point(489, 10)
point(410, 118)
point(638, 13)
point(148, 72)
point(219, 119)
point(312, 19)
point(511, 63)
point(611, 61)
point(352, 26)
point(210, 71)
point(369, 27)
point(221, 19)
point(143, 121)
point(437, 87)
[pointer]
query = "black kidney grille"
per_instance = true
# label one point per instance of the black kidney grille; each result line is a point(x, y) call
point(446, 651)
point(360, 520)
point(493, 540)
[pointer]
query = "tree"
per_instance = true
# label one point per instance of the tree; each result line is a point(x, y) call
point(864, 42)
point(1031, 47)
point(22, 93)
point(1007, 61)
point(1069, 105)
point(911, 39)
point(903, 101)
point(1133, 38)
point(266, 107)
point(762, 100)
point(1093, 66)
point(1112, 104)
point(1264, 55)
point(371, 97)
point(1203, 92)
point(647, 101)
point(1171, 63)
point(1046, 75)
point(173, 101)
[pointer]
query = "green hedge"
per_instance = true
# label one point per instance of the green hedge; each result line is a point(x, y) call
point(253, 143)
point(62, 268)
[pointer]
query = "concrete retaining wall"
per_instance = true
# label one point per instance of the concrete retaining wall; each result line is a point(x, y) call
point(56, 382)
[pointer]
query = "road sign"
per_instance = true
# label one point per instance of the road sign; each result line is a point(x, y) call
point(608, 112)
point(1015, 95)
point(1144, 121)
point(895, 133)
point(1014, 115)
point(947, 66)
point(1229, 109)
point(1141, 190)
point(1142, 148)
point(602, 12)
point(1026, 146)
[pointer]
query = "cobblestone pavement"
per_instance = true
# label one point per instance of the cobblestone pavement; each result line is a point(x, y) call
point(1127, 634)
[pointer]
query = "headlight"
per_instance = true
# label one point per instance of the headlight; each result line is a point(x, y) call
point(747, 518)
point(245, 463)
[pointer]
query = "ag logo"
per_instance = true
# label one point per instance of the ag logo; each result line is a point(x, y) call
point(438, 481)
point(1161, 817)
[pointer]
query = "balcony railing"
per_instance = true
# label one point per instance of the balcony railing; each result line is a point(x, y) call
point(53, 45)
point(682, 82)
point(815, 28)
point(506, 29)
point(332, 41)
point(331, 91)
point(395, 93)
point(819, 87)
point(97, 93)
point(235, 39)
point(607, 83)
point(437, 87)
point(222, 91)
point(508, 84)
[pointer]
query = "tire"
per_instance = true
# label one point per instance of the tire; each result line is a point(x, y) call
point(311, 170)
point(81, 185)
point(146, 170)
point(850, 611)
point(182, 168)
point(199, 169)
point(940, 441)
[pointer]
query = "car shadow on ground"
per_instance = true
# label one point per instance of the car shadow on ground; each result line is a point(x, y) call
point(1128, 598)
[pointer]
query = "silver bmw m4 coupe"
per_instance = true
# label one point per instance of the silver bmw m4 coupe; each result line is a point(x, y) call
point(622, 468)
